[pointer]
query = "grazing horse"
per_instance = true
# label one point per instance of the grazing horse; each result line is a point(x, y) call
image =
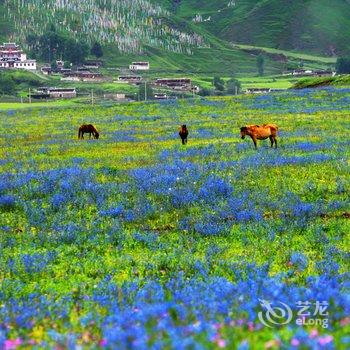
point(260, 132)
point(183, 134)
point(89, 129)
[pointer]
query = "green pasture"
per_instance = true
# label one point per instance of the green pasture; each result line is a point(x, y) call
point(290, 54)
point(300, 190)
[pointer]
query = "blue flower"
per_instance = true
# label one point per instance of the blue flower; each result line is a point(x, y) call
point(7, 202)
point(299, 260)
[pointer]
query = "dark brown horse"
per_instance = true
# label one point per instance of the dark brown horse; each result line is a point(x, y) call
point(260, 132)
point(183, 134)
point(88, 129)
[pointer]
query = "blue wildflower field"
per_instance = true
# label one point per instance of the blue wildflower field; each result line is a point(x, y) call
point(134, 241)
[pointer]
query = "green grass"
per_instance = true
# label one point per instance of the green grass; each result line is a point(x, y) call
point(314, 26)
point(67, 248)
point(338, 81)
point(275, 82)
point(290, 54)
point(34, 104)
point(221, 58)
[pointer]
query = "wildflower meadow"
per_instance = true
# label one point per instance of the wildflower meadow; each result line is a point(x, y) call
point(134, 241)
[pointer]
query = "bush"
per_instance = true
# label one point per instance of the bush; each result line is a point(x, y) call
point(205, 92)
point(7, 84)
point(219, 84)
point(233, 86)
point(343, 65)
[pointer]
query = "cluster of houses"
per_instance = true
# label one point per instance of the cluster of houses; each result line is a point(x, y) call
point(310, 73)
point(81, 73)
point(253, 90)
point(12, 56)
point(176, 84)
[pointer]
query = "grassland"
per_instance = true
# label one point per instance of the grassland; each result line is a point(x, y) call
point(290, 54)
point(135, 241)
point(314, 26)
point(298, 38)
point(339, 81)
point(26, 80)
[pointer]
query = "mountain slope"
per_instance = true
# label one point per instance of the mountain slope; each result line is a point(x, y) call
point(130, 30)
point(184, 35)
point(315, 26)
point(128, 24)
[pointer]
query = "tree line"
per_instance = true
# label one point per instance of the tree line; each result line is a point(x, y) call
point(220, 87)
point(343, 65)
point(54, 45)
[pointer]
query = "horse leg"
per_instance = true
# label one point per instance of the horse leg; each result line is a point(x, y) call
point(182, 140)
point(271, 140)
point(254, 140)
point(275, 142)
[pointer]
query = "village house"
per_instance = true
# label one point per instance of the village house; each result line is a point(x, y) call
point(311, 73)
point(60, 64)
point(262, 90)
point(160, 96)
point(53, 92)
point(195, 88)
point(93, 64)
point(302, 72)
point(85, 76)
point(257, 90)
point(46, 70)
point(12, 57)
point(324, 73)
point(184, 84)
point(139, 66)
point(130, 79)
point(120, 97)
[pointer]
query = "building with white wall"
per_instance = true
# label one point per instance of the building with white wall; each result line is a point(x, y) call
point(13, 57)
point(139, 66)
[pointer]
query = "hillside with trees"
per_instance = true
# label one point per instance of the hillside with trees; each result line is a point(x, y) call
point(179, 35)
point(314, 26)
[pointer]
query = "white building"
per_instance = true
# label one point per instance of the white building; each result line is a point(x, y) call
point(139, 66)
point(11, 56)
point(53, 92)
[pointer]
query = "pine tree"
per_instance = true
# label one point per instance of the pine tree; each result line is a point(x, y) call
point(96, 50)
point(260, 61)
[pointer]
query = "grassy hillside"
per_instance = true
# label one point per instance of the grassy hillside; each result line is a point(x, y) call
point(317, 26)
point(341, 81)
point(5, 25)
point(129, 25)
point(165, 33)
